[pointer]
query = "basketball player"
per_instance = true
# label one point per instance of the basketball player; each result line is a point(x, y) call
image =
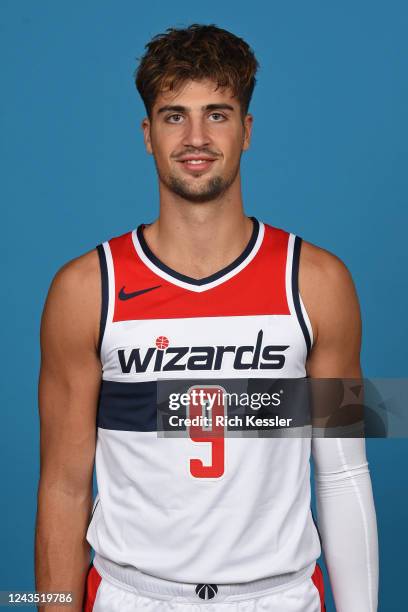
point(205, 292)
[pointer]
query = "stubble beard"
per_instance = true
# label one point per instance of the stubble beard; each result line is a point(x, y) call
point(211, 190)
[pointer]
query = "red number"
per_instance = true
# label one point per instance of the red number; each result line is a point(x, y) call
point(213, 436)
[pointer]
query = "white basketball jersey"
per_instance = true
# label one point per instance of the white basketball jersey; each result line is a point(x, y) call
point(181, 508)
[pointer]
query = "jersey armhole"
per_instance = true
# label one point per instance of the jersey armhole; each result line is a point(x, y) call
point(104, 294)
point(303, 318)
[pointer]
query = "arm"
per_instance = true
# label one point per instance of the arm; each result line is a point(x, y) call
point(345, 505)
point(68, 392)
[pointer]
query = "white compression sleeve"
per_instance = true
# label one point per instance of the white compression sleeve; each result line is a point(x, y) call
point(347, 522)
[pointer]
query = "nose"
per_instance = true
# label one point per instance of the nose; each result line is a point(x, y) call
point(196, 134)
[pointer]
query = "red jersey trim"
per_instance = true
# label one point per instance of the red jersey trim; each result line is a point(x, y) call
point(317, 578)
point(93, 580)
point(257, 289)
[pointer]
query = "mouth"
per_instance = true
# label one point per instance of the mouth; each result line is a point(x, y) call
point(197, 164)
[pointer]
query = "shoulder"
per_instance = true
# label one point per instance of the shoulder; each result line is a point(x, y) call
point(73, 302)
point(319, 268)
point(74, 274)
point(322, 267)
point(77, 283)
point(327, 289)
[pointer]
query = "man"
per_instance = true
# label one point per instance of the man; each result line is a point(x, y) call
point(182, 523)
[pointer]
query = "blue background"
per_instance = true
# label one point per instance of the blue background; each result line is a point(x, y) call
point(328, 161)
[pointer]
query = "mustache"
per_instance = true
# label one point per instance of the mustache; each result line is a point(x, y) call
point(190, 151)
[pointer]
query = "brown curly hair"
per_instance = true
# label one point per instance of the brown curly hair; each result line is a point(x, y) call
point(196, 52)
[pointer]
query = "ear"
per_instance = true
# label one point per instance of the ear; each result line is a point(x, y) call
point(146, 134)
point(248, 122)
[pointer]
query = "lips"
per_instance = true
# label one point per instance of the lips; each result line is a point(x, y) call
point(197, 164)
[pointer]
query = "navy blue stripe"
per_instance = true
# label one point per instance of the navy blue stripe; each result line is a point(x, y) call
point(295, 293)
point(317, 528)
point(93, 512)
point(144, 406)
point(105, 294)
point(201, 281)
point(128, 406)
point(321, 546)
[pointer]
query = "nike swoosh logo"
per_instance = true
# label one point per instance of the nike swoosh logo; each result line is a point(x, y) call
point(128, 296)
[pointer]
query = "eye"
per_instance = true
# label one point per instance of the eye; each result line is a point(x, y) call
point(218, 117)
point(175, 118)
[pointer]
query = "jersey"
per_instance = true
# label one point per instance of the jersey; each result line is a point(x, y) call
point(176, 507)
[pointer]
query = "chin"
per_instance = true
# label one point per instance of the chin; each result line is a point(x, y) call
point(211, 190)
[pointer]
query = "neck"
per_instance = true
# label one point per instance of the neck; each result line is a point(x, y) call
point(199, 239)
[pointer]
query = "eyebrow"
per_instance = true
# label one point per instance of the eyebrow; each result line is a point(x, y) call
point(182, 109)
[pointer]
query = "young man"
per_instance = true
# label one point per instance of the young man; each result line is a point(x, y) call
point(181, 523)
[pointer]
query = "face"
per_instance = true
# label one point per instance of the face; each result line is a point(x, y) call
point(197, 136)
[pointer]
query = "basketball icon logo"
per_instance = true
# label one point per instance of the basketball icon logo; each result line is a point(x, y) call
point(162, 342)
point(206, 591)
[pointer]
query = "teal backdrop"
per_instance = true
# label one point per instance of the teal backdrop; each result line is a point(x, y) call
point(328, 161)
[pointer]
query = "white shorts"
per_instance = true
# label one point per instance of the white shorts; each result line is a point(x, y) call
point(105, 593)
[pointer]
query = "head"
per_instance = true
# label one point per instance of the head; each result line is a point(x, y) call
point(196, 84)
